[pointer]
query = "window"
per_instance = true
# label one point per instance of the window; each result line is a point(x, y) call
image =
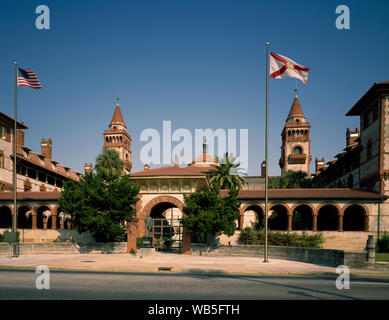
point(3, 132)
point(297, 150)
point(369, 151)
point(370, 116)
point(1, 159)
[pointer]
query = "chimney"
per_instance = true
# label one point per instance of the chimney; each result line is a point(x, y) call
point(263, 169)
point(20, 137)
point(351, 136)
point(146, 167)
point(46, 148)
point(88, 168)
point(176, 160)
point(319, 164)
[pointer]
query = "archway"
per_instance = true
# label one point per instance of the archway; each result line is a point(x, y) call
point(167, 230)
point(253, 217)
point(279, 218)
point(302, 217)
point(354, 218)
point(328, 218)
point(24, 217)
point(43, 213)
point(5, 217)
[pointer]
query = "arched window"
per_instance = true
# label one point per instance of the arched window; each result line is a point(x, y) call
point(297, 133)
point(289, 133)
point(297, 150)
point(1, 159)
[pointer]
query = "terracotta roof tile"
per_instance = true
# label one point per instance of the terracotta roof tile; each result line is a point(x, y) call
point(30, 195)
point(317, 193)
point(173, 171)
point(296, 110)
point(117, 116)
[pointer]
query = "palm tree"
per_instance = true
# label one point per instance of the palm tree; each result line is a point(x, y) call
point(109, 162)
point(226, 173)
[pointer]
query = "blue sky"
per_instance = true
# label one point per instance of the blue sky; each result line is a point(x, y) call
point(199, 64)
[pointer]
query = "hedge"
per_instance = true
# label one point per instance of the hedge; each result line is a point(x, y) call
point(257, 237)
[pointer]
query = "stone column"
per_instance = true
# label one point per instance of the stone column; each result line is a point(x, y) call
point(186, 238)
point(131, 236)
point(314, 222)
point(34, 219)
point(340, 222)
point(61, 225)
point(45, 223)
point(366, 223)
point(290, 221)
point(69, 224)
point(54, 222)
point(241, 221)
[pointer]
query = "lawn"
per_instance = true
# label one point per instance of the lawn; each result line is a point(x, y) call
point(383, 257)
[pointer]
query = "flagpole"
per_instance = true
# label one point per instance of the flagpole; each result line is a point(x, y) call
point(266, 152)
point(14, 216)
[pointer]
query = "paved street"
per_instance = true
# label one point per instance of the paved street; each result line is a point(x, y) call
point(20, 284)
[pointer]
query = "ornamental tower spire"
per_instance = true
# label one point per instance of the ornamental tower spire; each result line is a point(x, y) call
point(117, 138)
point(296, 143)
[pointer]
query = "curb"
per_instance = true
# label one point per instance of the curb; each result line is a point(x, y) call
point(155, 269)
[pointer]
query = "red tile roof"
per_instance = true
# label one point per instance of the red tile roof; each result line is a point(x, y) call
point(296, 110)
point(173, 171)
point(319, 193)
point(30, 195)
point(35, 159)
point(10, 121)
point(378, 88)
point(117, 117)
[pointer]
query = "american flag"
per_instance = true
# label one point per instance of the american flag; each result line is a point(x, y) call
point(28, 78)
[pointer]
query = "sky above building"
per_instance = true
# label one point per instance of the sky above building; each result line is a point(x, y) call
point(199, 64)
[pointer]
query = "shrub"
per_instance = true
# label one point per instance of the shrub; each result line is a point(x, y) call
point(139, 243)
point(1, 237)
point(383, 244)
point(257, 237)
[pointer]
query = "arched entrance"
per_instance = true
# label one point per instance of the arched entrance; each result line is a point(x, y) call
point(5, 217)
point(302, 217)
point(43, 214)
point(24, 217)
point(253, 217)
point(354, 218)
point(328, 218)
point(166, 228)
point(278, 220)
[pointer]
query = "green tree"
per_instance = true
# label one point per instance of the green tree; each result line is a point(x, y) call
point(205, 211)
point(226, 174)
point(290, 180)
point(100, 206)
point(109, 162)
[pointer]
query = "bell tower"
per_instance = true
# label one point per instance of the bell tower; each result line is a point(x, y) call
point(296, 143)
point(117, 138)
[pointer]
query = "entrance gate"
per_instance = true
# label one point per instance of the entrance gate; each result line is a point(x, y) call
point(167, 234)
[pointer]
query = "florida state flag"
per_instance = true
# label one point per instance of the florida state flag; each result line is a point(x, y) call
point(282, 67)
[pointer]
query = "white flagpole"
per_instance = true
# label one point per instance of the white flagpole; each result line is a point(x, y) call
point(14, 216)
point(266, 152)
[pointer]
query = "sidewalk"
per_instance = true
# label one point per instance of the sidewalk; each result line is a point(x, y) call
point(168, 262)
